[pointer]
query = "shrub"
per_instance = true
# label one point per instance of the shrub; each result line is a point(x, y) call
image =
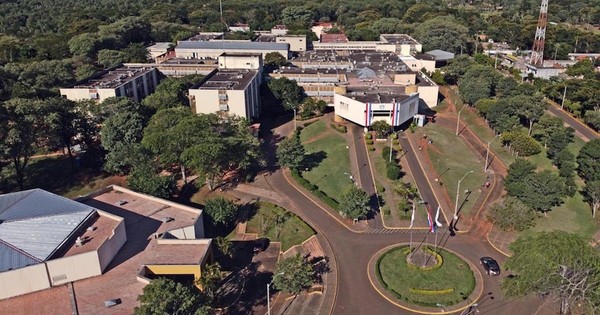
point(315, 190)
point(431, 292)
point(394, 171)
point(380, 189)
point(371, 148)
point(306, 124)
point(339, 128)
point(385, 153)
point(369, 141)
point(368, 136)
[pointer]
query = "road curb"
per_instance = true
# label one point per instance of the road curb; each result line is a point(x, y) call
point(487, 237)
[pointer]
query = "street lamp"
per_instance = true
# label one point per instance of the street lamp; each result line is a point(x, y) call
point(487, 153)
point(458, 193)
point(295, 127)
point(350, 176)
point(458, 118)
point(269, 292)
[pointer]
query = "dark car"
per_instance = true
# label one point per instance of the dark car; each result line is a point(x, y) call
point(261, 244)
point(490, 265)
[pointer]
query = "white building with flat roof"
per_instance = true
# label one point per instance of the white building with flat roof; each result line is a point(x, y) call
point(364, 106)
point(128, 81)
point(213, 49)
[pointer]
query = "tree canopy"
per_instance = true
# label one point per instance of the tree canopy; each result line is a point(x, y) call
point(221, 210)
point(165, 296)
point(354, 202)
point(293, 274)
point(559, 263)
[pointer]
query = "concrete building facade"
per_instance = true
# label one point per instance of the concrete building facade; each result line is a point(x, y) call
point(127, 81)
point(213, 49)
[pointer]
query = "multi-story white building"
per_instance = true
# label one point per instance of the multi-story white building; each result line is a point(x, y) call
point(364, 106)
point(213, 49)
point(128, 81)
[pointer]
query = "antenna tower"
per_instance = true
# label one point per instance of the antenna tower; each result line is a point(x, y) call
point(537, 53)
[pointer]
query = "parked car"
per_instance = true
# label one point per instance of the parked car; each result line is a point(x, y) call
point(261, 244)
point(490, 265)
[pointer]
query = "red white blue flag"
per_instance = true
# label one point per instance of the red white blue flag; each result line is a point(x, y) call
point(432, 226)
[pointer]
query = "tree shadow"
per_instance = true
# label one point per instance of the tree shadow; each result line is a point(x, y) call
point(320, 267)
point(313, 160)
point(255, 282)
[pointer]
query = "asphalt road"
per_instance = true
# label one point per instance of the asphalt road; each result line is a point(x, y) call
point(353, 251)
point(581, 130)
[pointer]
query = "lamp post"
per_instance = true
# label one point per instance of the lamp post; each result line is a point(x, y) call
point(295, 127)
point(458, 194)
point(458, 118)
point(269, 293)
point(350, 176)
point(562, 103)
point(487, 153)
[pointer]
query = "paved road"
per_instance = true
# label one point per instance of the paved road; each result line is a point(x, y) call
point(581, 130)
point(352, 252)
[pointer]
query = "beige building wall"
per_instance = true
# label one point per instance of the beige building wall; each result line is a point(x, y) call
point(297, 42)
point(204, 101)
point(240, 62)
point(23, 280)
point(386, 47)
point(418, 64)
point(355, 111)
point(191, 53)
point(78, 94)
point(349, 109)
point(72, 268)
point(429, 95)
point(109, 249)
point(405, 78)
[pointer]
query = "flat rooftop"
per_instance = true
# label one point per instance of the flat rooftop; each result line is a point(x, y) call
point(184, 61)
point(204, 37)
point(98, 230)
point(229, 45)
point(380, 95)
point(114, 78)
point(143, 217)
point(227, 79)
point(399, 39)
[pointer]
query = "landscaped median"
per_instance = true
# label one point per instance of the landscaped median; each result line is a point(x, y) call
point(433, 281)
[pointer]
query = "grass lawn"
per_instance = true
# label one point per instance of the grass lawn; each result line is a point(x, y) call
point(292, 232)
point(331, 158)
point(574, 215)
point(397, 276)
point(56, 175)
point(452, 159)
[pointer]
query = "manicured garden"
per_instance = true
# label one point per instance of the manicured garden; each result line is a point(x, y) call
point(279, 225)
point(446, 284)
point(326, 151)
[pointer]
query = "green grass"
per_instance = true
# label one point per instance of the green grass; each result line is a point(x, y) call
point(452, 159)
point(397, 276)
point(313, 130)
point(328, 175)
point(56, 175)
point(293, 232)
point(573, 216)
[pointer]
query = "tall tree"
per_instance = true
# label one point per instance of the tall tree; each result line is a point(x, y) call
point(531, 108)
point(25, 124)
point(592, 195)
point(165, 296)
point(170, 132)
point(589, 160)
point(221, 210)
point(290, 152)
point(65, 122)
point(354, 202)
point(275, 60)
point(293, 274)
point(518, 171)
point(561, 264)
point(210, 279)
point(145, 179)
point(510, 214)
point(543, 190)
point(287, 92)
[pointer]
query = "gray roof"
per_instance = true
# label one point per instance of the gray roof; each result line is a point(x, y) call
point(440, 55)
point(34, 224)
point(232, 45)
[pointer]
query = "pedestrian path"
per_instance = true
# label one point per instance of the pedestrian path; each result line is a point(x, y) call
point(395, 231)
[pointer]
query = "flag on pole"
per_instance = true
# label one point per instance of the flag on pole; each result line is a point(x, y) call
point(412, 218)
point(437, 217)
point(430, 221)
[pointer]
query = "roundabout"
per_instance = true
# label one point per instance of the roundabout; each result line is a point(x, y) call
point(425, 280)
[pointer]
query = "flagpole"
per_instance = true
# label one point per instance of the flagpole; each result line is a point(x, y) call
point(412, 219)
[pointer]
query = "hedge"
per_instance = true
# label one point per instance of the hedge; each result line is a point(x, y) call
point(431, 292)
point(339, 128)
point(394, 171)
point(315, 190)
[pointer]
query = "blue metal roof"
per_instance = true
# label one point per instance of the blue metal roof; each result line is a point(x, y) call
point(34, 224)
point(232, 45)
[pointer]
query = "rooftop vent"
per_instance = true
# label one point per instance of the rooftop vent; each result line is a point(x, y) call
point(91, 228)
point(167, 219)
point(121, 202)
point(111, 303)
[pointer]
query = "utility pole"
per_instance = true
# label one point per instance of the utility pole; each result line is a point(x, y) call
point(458, 118)
point(458, 194)
point(487, 153)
